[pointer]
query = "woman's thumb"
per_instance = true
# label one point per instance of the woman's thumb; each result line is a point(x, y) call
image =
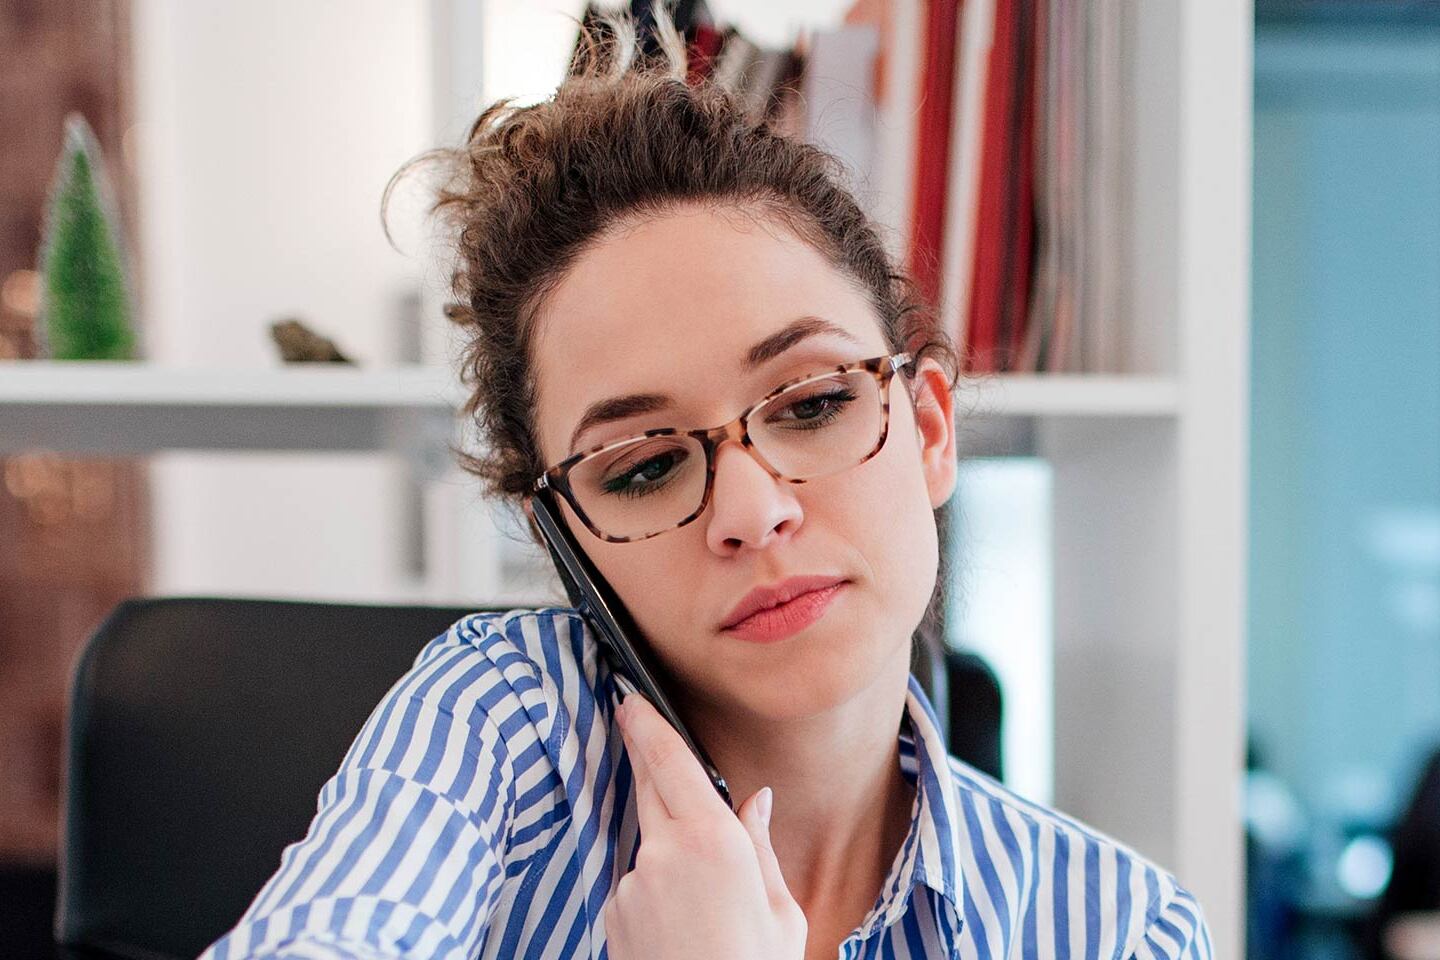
point(755, 815)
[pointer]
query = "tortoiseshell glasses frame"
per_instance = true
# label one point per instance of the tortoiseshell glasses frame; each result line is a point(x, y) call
point(556, 477)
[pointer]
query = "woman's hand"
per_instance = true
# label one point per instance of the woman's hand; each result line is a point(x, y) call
point(706, 884)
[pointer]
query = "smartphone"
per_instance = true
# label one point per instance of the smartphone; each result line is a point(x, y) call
point(620, 639)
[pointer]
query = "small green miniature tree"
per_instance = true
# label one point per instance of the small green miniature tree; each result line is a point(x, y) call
point(85, 299)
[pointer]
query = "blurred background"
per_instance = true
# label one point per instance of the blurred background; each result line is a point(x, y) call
point(1028, 161)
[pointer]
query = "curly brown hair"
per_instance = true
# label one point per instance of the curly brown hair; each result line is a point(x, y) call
point(624, 137)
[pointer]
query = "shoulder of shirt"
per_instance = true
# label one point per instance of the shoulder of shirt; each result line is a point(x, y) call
point(538, 650)
point(516, 631)
point(1171, 906)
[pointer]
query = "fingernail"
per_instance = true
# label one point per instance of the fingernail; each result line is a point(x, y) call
point(762, 804)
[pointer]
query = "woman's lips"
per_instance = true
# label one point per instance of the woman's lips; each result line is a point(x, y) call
point(787, 619)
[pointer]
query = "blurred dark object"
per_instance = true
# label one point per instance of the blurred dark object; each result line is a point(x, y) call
point(973, 703)
point(27, 911)
point(299, 344)
point(74, 531)
point(1414, 885)
point(1275, 830)
point(962, 687)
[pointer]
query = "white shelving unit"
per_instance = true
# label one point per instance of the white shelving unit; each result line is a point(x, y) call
point(1150, 471)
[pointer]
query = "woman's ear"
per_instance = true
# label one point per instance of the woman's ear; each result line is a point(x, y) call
point(935, 428)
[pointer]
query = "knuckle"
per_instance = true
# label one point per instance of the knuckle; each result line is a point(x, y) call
point(650, 856)
point(625, 889)
point(654, 870)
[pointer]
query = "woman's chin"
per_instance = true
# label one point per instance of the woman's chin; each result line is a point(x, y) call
point(806, 688)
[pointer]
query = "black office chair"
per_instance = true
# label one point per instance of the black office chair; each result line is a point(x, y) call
point(201, 732)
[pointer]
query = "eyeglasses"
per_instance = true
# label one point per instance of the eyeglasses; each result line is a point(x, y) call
point(804, 429)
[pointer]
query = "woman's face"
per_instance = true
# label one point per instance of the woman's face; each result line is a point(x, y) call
point(672, 306)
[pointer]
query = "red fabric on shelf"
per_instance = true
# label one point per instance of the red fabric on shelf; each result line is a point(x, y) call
point(932, 155)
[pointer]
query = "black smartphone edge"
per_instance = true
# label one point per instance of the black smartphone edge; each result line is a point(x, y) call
point(597, 602)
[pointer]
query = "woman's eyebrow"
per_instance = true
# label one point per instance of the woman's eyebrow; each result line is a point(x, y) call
point(791, 334)
point(633, 404)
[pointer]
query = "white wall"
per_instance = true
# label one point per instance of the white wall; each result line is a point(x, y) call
point(266, 132)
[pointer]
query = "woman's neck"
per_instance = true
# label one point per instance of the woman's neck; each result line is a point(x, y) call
point(842, 806)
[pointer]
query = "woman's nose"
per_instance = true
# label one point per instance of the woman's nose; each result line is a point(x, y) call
point(748, 506)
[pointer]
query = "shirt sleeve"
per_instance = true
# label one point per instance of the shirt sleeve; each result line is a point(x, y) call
point(406, 853)
point(1178, 931)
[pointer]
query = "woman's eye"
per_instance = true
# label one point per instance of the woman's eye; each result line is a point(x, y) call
point(820, 408)
point(646, 476)
point(813, 407)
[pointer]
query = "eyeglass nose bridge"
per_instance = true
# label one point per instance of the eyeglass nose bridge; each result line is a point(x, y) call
point(739, 431)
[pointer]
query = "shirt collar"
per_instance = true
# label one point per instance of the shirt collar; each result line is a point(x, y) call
point(932, 851)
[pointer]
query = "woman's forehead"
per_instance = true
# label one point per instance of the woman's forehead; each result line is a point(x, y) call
point(691, 277)
point(677, 304)
point(696, 345)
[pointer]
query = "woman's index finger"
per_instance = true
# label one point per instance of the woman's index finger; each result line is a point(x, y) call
point(674, 771)
point(649, 808)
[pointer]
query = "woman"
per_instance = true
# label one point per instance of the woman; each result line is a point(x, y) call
point(636, 255)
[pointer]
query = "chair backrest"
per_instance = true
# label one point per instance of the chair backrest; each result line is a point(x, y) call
point(202, 729)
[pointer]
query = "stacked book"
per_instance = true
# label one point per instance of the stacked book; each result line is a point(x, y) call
point(996, 157)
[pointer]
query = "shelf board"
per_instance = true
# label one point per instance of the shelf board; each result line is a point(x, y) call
point(1067, 395)
point(123, 407)
point(126, 383)
point(62, 382)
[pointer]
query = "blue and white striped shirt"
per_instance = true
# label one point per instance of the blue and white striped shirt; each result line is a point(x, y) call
point(485, 808)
